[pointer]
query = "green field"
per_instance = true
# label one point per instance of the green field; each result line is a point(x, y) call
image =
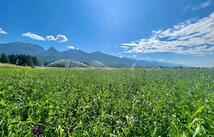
point(107, 102)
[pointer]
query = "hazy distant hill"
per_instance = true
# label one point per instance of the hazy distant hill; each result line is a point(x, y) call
point(20, 48)
point(77, 56)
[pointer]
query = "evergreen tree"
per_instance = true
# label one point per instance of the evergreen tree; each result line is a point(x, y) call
point(4, 58)
point(22, 60)
point(12, 59)
point(36, 61)
point(29, 61)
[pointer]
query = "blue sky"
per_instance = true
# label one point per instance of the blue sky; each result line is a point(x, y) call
point(175, 31)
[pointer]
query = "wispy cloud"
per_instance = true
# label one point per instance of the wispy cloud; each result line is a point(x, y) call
point(190, 37)
point(202, 5)
point(58, 38)
point(33, 36)
point(3, 31)
point(72, 47)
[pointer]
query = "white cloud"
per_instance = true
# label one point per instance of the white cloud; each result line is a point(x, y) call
point(58, 38)
point(50, 38)
point(33, 36)
point(2, 31)
point(61, 38)
point(203, 5)
point(72, 47)
point(190, 37)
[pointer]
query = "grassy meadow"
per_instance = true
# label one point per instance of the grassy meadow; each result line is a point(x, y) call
point(106, 102)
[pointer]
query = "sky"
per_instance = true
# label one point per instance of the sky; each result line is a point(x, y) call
point(173, 31)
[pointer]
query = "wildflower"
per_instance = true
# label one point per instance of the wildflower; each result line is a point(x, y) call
point(37, 131)
point(71, 129)
point(190, 93)
point(150, 104)
point(133, 119)
point(119, 122)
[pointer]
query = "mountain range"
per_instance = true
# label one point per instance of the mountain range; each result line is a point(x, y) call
point(76, 56)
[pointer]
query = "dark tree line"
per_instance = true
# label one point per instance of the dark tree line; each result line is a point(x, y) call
point(22, 60)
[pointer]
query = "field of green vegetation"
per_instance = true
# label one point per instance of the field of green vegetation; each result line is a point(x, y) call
point(106, 102)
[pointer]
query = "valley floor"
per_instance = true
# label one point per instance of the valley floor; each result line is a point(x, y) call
point(106, 102)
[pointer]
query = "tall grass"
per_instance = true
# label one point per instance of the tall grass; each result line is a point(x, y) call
point(101, 102)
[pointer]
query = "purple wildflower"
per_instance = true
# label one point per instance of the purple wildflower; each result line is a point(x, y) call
point(71, 129)
point(37, 131)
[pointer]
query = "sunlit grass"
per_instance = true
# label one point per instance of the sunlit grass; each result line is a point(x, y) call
point(101, 102)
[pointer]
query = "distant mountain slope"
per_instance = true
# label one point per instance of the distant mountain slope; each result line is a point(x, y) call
point(20, 48)
point(51, 52)
point(49, 55)
point(77, 56)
